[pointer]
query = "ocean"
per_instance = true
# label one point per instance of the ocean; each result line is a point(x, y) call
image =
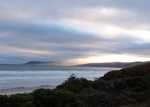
point(27, 80)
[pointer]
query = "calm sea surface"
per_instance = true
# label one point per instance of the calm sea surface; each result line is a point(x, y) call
point(24, 81)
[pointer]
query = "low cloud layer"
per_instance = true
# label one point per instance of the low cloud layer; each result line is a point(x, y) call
point(74, 30)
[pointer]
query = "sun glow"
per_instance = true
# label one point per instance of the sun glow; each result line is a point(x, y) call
point(109, 58)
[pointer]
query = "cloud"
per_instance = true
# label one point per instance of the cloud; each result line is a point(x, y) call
point(102, 22)
point(74, 29)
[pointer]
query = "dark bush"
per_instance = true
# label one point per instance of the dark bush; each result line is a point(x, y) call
point(49, 98)
point(19, 100)
point(75, 84)
point(4, 101)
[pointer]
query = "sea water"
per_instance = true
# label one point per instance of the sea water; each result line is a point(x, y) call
point(26, 81)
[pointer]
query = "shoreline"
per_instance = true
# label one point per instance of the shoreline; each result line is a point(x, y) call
point(21, 90)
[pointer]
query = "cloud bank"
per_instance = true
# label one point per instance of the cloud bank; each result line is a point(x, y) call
point(74, 30)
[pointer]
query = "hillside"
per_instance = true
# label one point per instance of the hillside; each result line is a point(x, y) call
point(139, 70)
point(128, 87)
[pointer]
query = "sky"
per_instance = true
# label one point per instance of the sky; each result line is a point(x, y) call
point(75, 31)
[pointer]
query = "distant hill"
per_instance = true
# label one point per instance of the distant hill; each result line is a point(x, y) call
point(51, 65)
point(32, 65)
point(112, 64)
point(36, 62)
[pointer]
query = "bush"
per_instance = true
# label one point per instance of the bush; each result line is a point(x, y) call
point(4, 101)
point(49, 98)
point(19, 100)
point(75, 84)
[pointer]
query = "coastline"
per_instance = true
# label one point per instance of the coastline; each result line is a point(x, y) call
point(21, 90)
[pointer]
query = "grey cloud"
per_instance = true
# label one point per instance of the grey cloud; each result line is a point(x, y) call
point(21, 19)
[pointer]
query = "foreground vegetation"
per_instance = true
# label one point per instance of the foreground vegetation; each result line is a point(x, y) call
point(129, 87)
